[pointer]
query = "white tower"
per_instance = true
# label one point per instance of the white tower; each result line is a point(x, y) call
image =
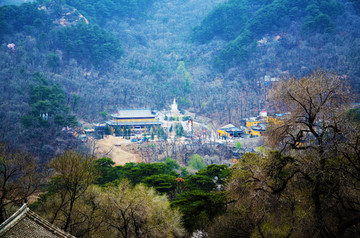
point(174, 108)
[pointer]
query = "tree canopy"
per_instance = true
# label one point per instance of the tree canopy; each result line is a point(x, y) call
point(316, 104)
point(239, 21)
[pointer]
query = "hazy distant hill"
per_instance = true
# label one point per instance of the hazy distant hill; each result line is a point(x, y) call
point(13, 2)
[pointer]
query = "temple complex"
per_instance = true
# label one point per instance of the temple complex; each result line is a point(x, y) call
point(133, 119)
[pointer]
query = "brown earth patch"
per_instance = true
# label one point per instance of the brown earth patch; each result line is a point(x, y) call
point(121, 151)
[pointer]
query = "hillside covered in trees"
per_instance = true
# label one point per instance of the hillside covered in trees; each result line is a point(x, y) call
point(304, 182)
point(213, 56)
point(67, 62)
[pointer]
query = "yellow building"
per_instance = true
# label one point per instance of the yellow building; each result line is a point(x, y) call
point(230, 131)
point(277, 121)
point(222, 133)
point(255, 127)
point(133, 119)
point(251, 123)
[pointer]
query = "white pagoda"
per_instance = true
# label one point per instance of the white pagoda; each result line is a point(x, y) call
point(174, 109)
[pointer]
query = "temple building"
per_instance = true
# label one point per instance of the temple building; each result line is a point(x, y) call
point(229, 131)
point(27, 224)
point(135, 120)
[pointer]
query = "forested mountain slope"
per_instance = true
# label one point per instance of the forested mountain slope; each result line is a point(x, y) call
point(212, 56)
point(284, 36)
point(102, 62)
point(242, 22)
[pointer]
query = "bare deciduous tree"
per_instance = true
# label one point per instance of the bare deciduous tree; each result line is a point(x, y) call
point(315, 104)
point(19, 178)
point(73, 174)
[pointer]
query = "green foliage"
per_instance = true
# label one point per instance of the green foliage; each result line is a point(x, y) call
point(267, 17)
point(237, 49)
point(196, 162)
point(261, 149)
point(172, 163)
point(28, 18)
point(71, 121)
point(105, 170)
point(161, 134)
point(88, 43)
point(356, 5)
point(183, 172)
point(185, 76)
point(131, 211)
point(199, 208)
point(226, 20)
point(233, 21)
point(107, 130)
point(142, 170)
point(163, 183)
point(353, 115)
point(75, 102)
point(152, 136)
point(238, 145)
point(47, 106)
point(179, 130)
point(320, 23)
point(108, 211)
point(53, 61)
point(199, 182)
point(217, 172)
point(101, 11)
point(135, 173)
point(103, 114)
point(186, 118)
point(27, 120)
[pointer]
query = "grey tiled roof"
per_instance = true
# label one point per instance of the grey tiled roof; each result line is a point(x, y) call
point(26, 224)
point(227, 126)
point(259, 127)
point(133, 113)
point(147, 123)
point(231, 128)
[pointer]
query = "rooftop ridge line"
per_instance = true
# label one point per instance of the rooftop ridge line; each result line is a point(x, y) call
point(11, 221)
point(25, 212)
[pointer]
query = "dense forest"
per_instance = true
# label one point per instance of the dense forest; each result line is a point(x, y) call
point(64, 63)
point(120, 54)
point(310, 188)
point(242, 22)
point(215, 57)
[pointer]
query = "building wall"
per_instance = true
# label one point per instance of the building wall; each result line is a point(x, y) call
point(255, 133)
point(252, 123)
point(276, 121)
point(135, 120)
point(222, 133)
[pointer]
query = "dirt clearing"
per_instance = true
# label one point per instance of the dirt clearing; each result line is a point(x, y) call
point(113, 147)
